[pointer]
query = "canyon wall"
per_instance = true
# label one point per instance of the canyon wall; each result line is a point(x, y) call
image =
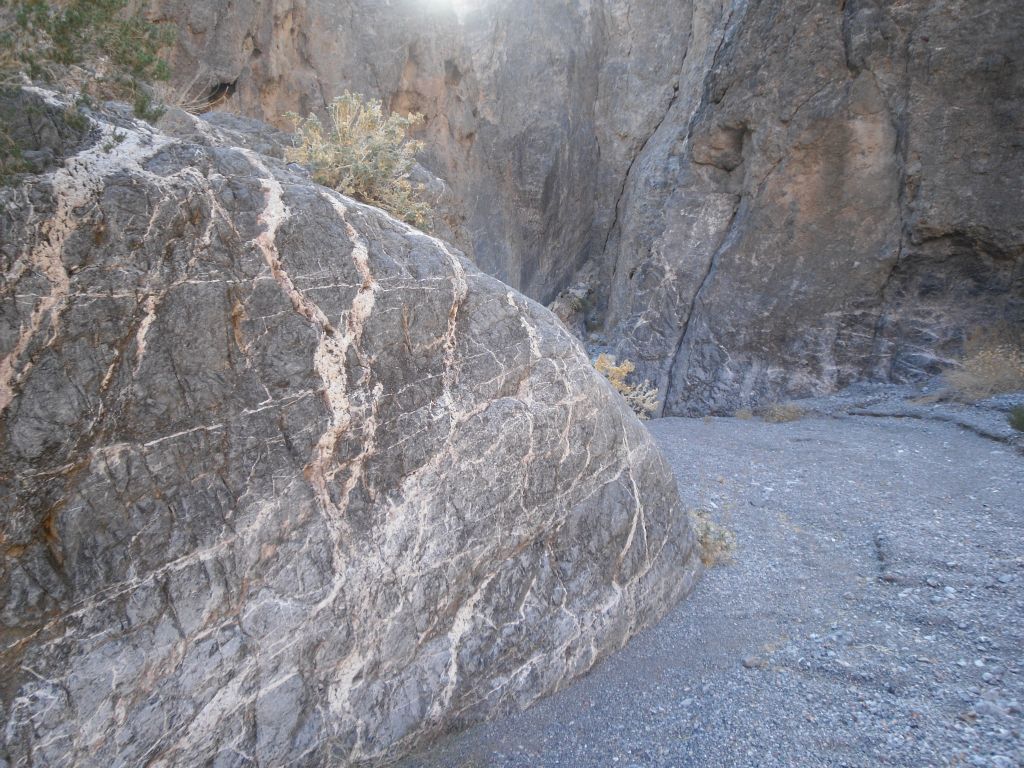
point(534, 110)
point(758, 198)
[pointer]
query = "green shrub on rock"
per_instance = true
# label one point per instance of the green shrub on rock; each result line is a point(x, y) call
point(363, 152)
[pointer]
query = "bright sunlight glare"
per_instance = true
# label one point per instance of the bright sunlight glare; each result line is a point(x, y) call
point(461, 7)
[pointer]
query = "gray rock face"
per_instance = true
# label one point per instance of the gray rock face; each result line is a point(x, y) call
point(286, 481)
point(836, 202)
point(776, 198)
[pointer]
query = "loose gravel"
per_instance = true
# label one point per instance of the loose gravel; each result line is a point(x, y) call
point(873, 614)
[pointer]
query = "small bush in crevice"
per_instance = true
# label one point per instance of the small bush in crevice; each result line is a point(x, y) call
point(642, 398)
point(717, 543)
point(1016, 418)
point(993, 364)
point(363, 152)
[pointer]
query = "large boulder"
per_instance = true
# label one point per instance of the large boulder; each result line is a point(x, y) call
point(287, 481)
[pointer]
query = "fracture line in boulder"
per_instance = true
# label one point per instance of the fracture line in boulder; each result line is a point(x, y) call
point(74, 185)
point(337, 390)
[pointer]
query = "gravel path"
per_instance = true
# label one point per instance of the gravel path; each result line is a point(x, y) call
point(874, 613)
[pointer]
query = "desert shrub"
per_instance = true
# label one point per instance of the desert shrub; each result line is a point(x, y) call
point(363, 152)
point(717, 543)
point(44, 40)
point(642, 398)
point(778, 413)
point(993, 363)
point(1017, 418)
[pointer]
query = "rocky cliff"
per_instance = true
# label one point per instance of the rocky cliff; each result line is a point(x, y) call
point(764, 197)
point(286, 481)
point(838, 203)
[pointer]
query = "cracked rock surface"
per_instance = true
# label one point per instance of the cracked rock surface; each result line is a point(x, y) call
point(285, 481)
